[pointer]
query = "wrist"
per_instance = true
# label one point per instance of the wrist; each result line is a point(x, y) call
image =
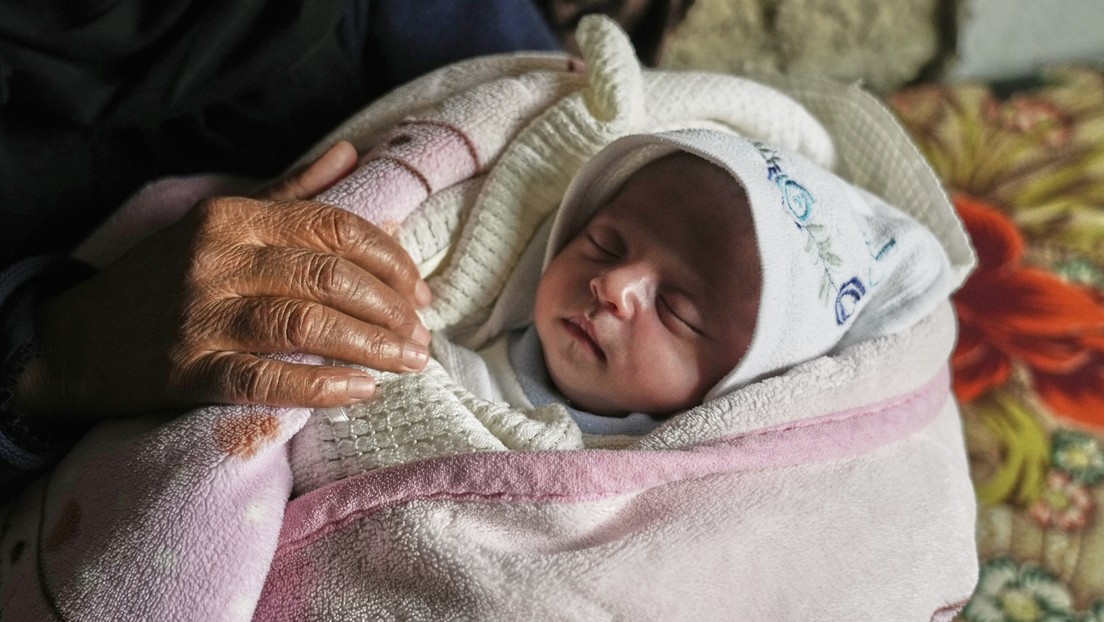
point(39, 390)
point(31, 405)
point(20, 422)
point(25, 393)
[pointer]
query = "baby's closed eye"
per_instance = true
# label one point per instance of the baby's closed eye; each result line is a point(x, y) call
point(602, 250)
point(681, 313)
point(606, 241)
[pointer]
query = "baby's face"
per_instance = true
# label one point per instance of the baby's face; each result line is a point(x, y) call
point(655, 300)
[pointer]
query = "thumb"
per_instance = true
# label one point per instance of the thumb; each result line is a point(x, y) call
point(316, 177)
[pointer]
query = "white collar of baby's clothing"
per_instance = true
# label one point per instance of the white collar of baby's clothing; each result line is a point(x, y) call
point(526, 358)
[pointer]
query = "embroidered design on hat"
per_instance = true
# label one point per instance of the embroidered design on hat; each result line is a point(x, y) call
point(800, 204)
point(847, 300)
point(876, 257)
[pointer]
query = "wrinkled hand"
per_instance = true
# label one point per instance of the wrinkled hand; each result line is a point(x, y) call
point(185, 317)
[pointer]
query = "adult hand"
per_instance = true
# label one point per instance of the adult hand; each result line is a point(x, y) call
point(187, 316)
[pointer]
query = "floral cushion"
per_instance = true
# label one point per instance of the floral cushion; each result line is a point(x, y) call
point(1025, 167)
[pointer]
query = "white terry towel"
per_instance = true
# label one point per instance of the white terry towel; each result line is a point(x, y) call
point(839, 265)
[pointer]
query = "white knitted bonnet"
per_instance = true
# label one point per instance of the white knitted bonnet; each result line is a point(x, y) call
point(838, 264)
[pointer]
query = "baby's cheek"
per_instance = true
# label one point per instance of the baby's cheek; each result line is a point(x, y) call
point(671, 378)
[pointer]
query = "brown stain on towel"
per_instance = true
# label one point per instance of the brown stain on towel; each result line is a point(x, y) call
point(243, 435)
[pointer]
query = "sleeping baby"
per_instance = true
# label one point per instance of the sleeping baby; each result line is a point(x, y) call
point(680, 267)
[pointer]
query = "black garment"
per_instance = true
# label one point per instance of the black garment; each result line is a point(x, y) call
point(104, 95)
point(100, 96)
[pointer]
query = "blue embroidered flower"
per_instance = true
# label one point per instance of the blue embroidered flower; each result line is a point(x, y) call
point(796, 198)
point(850, 293)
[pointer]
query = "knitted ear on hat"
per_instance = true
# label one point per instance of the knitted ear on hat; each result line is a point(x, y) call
point(838, 264)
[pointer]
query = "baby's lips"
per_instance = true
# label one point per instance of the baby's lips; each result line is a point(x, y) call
point(584, 325)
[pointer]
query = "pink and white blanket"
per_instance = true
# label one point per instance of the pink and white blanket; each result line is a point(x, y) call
point(837, 491)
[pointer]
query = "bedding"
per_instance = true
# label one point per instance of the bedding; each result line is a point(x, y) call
point(845, 476)
point(1024, 161)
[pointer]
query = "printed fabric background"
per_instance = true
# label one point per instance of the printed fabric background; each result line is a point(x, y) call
point(1024, 164)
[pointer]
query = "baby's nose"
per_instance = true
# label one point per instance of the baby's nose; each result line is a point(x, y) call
point(625, 289)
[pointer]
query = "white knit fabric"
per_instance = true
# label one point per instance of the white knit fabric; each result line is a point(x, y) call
point(529, 177)
point(420, 416)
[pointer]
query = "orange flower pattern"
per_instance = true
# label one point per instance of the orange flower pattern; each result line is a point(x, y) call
point(1025, 169)
point(1010, 312)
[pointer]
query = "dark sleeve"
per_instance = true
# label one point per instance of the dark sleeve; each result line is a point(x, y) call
point(413, 38)
point(98, 97)
point(24, 450)
point(143, 61)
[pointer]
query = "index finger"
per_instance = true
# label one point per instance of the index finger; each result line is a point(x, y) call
point(309, 224)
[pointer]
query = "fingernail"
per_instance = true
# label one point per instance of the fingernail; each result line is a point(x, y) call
point(360, 387)
point(421, 335)
point(414, 355)
point(422, 295)
point(330, 158)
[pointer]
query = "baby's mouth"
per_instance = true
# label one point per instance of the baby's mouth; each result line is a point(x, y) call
point(582, 330)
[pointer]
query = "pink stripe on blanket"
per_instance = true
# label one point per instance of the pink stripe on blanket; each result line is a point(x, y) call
point(441, 152)
point(411, 162)
point(567, 476)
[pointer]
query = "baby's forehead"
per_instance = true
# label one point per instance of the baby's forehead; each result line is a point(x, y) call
point(698, 213)
point(679, 164)
point(684, 188)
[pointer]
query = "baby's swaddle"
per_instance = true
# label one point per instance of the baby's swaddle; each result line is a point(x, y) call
point(420, 416)
point(838, 264)
point(419, 163)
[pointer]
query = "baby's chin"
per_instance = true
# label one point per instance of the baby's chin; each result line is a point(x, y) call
point(608, 404)
point(585, 398)
point(602, 397)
